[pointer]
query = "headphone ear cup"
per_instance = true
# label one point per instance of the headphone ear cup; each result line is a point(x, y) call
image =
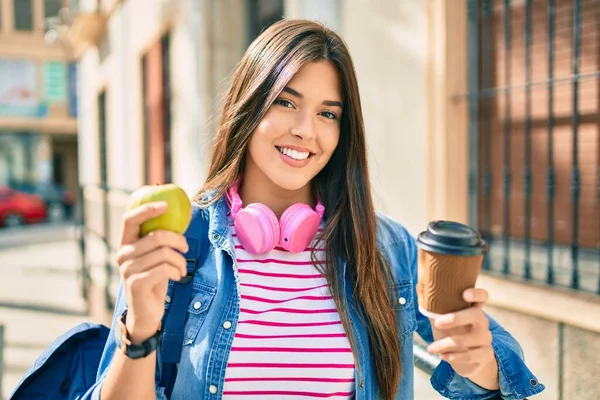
point(257, 228)
point(298, 226)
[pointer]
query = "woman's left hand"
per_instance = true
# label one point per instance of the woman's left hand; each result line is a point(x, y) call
point(464, 340)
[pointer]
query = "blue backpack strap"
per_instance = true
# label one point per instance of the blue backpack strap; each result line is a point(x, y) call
point(176, 316)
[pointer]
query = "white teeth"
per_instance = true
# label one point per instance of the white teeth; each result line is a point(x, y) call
point(296, 155)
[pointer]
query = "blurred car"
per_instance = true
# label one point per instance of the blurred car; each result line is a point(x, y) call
point(59, 201)
point(18, 208)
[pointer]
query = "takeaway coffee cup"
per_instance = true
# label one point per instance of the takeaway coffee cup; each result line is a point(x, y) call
point(450, 257)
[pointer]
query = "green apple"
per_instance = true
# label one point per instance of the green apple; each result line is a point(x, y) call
point(179, 208)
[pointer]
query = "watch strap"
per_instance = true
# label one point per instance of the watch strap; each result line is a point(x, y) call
point(136, 351)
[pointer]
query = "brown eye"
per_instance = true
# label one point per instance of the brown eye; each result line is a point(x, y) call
point(329, 115)
point(284, 103)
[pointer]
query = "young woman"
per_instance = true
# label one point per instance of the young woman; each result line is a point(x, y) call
point(306, 292)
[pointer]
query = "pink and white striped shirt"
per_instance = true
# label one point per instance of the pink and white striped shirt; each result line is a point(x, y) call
point(289, 342)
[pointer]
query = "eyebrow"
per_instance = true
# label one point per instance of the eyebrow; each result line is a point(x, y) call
point(331, 103)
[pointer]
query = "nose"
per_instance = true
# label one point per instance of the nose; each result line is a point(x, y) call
point(303, 127)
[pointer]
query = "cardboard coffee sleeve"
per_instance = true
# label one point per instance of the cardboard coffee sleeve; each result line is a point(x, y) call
point(450, 258)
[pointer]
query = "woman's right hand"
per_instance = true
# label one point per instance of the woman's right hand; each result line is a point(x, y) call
point(146, 265)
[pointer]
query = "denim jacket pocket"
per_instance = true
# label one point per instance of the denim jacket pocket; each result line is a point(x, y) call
point(202, 297)
point(404, 307)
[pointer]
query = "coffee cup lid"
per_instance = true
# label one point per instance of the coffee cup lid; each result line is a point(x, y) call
point(453, 238)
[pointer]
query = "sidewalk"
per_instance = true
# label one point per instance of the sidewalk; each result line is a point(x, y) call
point(39, 300)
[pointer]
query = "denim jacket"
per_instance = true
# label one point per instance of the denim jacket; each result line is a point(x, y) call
point(210, 328)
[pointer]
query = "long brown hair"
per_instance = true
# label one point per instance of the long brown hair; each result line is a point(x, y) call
point(343, 185)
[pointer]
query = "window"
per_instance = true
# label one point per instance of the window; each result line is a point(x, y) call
point(23, 15)
point(145, 115)
point(262, 14)
point(52, 7)
point(534, 119)
point(156, 99)
point(166, 74)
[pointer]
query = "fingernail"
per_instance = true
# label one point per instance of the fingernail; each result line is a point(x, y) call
point(469, 295)
point(160, 205)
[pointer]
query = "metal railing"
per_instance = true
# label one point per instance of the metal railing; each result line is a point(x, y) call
point(424, 360)
point(85, 231)
point(539, 213)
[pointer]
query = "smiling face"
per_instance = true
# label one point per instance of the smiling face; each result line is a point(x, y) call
point(299, 132)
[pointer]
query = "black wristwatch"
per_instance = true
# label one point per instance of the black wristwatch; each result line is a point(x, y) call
point(135, 351)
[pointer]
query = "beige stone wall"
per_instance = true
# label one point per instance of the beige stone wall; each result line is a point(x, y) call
point(581, 369)
point(388, 42)
point(539, 339)
point(564, 358)
point(228, 26)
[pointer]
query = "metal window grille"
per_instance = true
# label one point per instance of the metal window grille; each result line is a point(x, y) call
point(534, 125)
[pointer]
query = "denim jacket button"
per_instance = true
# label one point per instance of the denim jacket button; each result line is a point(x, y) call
point(533, 382)
point(168, 299)
point(361, 384)
point(213, 389)
point(216, 236)
point(402, 301)
point(227, 325)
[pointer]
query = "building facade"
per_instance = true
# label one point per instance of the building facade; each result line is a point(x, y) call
point(454, 92)
point(38, 106)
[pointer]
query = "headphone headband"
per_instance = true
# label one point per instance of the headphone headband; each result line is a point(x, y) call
point(235, 202)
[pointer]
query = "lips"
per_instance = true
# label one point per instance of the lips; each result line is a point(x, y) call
point(293, 157)
point(295, 153)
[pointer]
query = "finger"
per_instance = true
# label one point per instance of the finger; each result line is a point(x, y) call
point(151, 242)
point(472, 316)
point(450, 344)
point(152, 259)
point(136, 217)
point(457, 343)
point(476, 295)
point(153, 277)
point(475, 355)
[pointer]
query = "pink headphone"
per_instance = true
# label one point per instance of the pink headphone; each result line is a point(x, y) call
point(259, 230)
